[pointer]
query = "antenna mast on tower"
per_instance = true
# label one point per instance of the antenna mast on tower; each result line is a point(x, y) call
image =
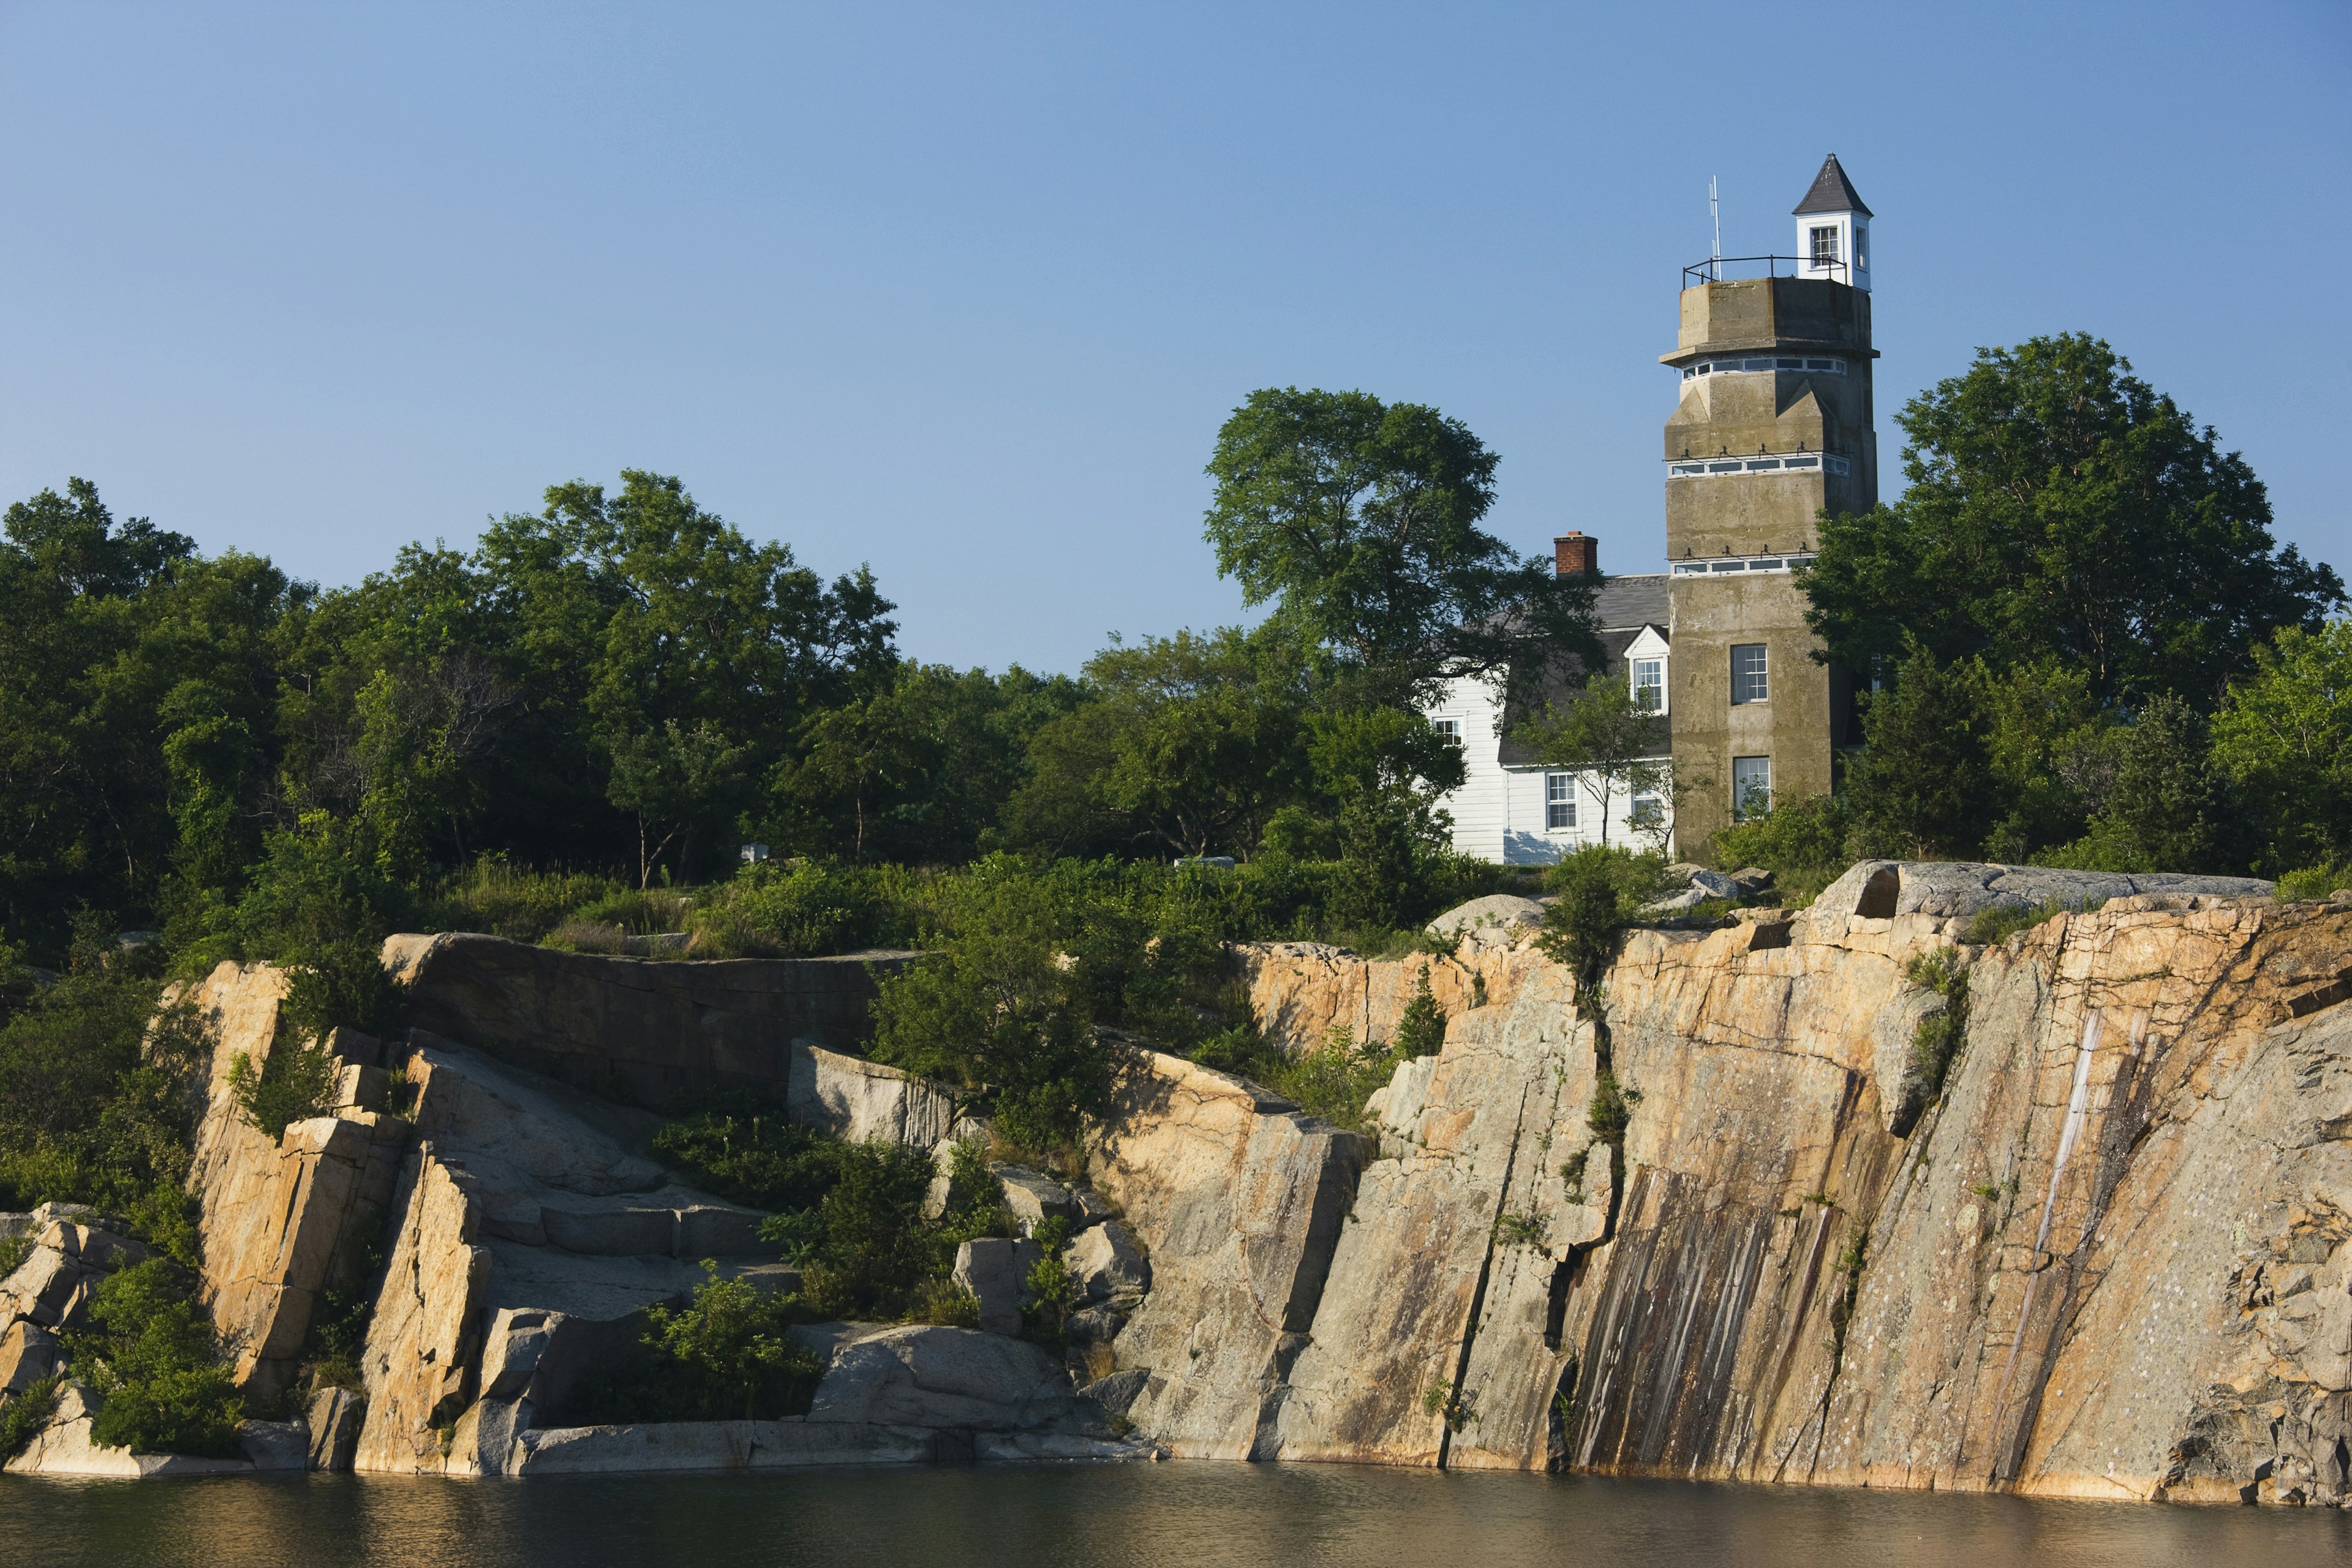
point(1715, 215)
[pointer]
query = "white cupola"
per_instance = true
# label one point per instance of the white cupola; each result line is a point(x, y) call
point(1833, 230)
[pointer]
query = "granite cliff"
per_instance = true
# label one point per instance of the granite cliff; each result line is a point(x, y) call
point(2099, 1243)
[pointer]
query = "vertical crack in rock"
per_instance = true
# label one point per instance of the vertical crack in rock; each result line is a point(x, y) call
point(1455, 1408)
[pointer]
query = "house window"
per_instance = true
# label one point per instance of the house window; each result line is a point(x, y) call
point(1825, 245)
point(1650, 685)
point(1449, 728)
point(1649, 810)
point(1752, 786)
point(1748, 682)
point(1560, 801)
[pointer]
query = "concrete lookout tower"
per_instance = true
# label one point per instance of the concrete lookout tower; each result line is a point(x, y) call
point(1775, 426)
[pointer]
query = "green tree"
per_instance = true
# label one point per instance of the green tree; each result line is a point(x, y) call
point(1922, 783)
point(2058, 507)
point(152, 1353)
point(2284, 739)
point(1362, 520)
point(1614, 746)
point(2167, 810)
point(1187, 743)
point(994, 1014)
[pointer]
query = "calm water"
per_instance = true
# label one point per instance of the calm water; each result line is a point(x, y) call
point(1193, 1515)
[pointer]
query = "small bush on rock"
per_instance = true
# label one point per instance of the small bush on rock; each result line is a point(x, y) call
point(1421, 1030)
point(154, 1357)
point(728, 1354)
point(295, 1082)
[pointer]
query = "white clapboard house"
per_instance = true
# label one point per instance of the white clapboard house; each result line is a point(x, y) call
point(1513, 809)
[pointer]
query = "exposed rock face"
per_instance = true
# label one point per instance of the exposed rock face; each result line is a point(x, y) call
point(653, 1029)
point(860, 1101)
point(275, 1212)
point(526, 1237)
point(2109, 1259)
point(1237, 1200)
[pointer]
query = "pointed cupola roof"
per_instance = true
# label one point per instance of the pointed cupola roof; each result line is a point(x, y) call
point(1832, 192)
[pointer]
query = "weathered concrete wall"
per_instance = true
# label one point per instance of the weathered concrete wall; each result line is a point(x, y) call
point(2110, 1261)
point(642, 1028)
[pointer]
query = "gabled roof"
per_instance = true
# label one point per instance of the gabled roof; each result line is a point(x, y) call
point(1634, 601)
point(1832, 192)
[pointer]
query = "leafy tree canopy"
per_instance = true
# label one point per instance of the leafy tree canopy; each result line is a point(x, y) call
point(1361, 518)
point(2060, 508)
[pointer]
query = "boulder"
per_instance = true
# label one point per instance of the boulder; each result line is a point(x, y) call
point(28, 1353)
point(1117, 1394)
point(46, 1287)
point(1503, 911)
point(944, 1193)
point(64, 1447)
point(1034, 1197)
point(995, 1270)
point(1885, 890)
point(275, 1445)
point(93, 1247)
point(334, 1419)
point(1096, 1325)
point(860, 1101)
point(675, 1445)
point(927, 1375)
point(1108, 1264)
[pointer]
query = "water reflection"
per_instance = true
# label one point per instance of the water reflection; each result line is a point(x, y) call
point(1201, 1516)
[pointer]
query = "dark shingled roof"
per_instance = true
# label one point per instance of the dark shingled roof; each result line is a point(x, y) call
point(1632, 602)
point(1625, 606)
point(1832, 192)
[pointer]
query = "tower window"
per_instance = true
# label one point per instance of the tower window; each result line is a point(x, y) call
point(1650, 684)
point(1749, 680)
point(1752, 786)
point(1560, 801)
point(1825, 245)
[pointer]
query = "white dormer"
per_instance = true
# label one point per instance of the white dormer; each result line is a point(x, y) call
point(1833, 230)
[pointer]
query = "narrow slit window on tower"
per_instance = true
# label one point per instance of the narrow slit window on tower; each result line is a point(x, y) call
point(1560, 801)
point(1748, 680)
point(1825, 245)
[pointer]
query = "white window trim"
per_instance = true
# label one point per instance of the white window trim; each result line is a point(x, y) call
point(1713, 565)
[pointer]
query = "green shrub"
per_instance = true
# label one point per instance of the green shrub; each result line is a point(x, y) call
point(154, 1357)
point(2318, 882)
point(26, 1415)
point(943, 1302)
point(1991, 927)
point(295, 1082)
point(1607, 1114)
point(1803, 843)
point(1939, 1037)
point(1420, 1030)
point(745, 1151)
point(730, 1353)
point(864, 1250)
point(1333, 1079)
point(1602, 890)
point(1051, 1291)
point(97, 1102)
point(492, 897)
point(1001, 1012)
point(808, 909)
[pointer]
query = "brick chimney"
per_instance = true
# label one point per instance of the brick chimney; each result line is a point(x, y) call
point(1572, 553)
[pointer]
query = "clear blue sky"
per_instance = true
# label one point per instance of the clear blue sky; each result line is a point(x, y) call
point(964, 291)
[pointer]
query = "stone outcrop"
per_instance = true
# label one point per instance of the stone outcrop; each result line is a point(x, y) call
point(1236, 1200)
point(2109, 1253)
point(276, 1214)
point(860, 1101)
point(526, 1238)
point(647, 1030)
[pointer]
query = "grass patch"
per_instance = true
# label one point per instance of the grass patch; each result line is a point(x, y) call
point(1991, 927)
